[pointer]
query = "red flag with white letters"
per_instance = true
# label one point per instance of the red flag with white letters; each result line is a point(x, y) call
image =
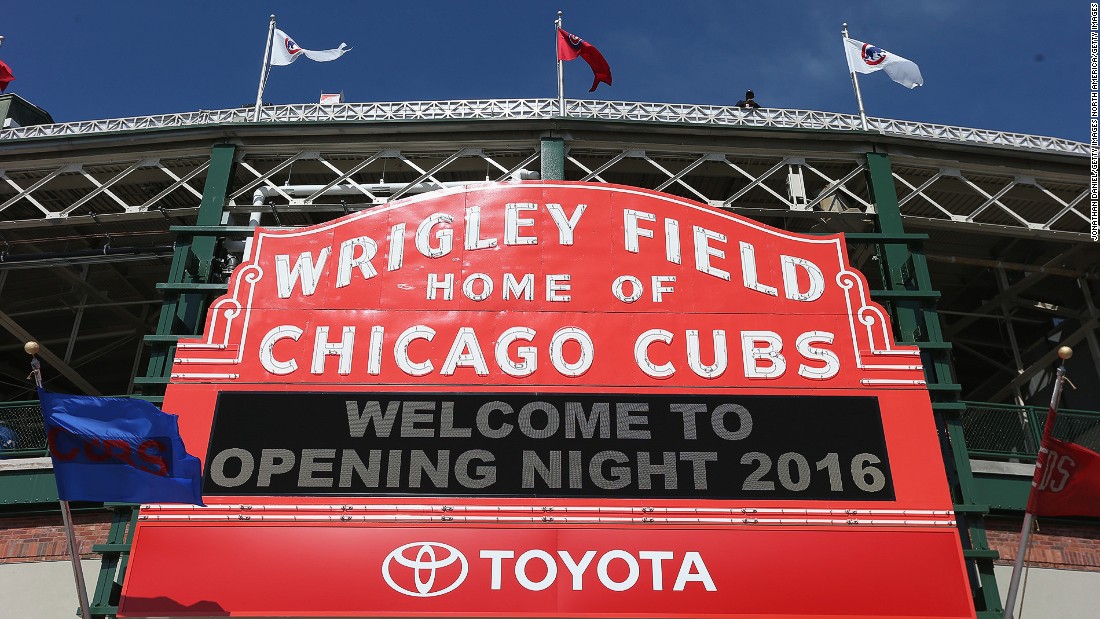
point(1069, 484)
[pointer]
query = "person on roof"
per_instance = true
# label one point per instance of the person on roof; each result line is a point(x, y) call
point(749, 102)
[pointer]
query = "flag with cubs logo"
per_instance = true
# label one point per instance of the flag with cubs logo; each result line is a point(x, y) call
point(868, 58)
point(285, 51)
point(570, 46)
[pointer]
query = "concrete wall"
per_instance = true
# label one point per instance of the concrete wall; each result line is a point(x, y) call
point(1065, 594)
point(43, 590)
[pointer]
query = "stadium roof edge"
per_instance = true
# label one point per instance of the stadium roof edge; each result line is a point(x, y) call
point(547, 109)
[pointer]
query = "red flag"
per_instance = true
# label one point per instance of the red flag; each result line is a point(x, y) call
point(6, 77)
point(570, 46)
point(1068, 482)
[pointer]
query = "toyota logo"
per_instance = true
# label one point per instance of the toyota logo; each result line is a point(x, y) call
point(432, 565)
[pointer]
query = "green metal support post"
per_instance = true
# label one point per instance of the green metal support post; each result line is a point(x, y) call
point(904, 268)
point(186, 298)
point(192, 257)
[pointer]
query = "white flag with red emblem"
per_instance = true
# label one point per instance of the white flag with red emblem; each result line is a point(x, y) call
point(285, 51)
point(867, 58)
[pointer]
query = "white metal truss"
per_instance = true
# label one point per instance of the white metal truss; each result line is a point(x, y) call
point(755, 182)
point(326, 174)
point(119, 187)
point(1014, 203)
point(772, 197)
point(724, 180)
point(542, 109)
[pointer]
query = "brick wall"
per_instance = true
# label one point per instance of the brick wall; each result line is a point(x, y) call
point(42, 538)
point(1053, 545)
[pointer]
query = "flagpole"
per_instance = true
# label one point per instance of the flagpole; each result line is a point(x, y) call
point(855, 80)
point(561, 78)
point(1065, 352)
point(264, 69)
point(32, 349)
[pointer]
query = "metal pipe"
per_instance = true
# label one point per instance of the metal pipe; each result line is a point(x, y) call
point(261, 194)
point(561, 76)
point(1064, 352)
point(264, 70)
point(86, 253)
point(855, 78)
point(1011, 266)
point(66, 514)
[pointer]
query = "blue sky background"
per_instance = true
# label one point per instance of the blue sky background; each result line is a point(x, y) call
point(1011, 66)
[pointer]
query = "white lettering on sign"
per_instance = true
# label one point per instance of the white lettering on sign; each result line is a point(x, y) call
point(766, 360)
point(513, 223)
point(571, 351)
point(615, 570)
point(480, 286)
point(528, 355)
point(367, 249)
point(633, 231)
point(342, 349)
point(444, 237)
point(816, 288)
point(515, 352)
point(435, 237)
point(304, 270)
point(267, 349)
point(804, 345)
point(710, 258)
point(566, 225)
point(704, 252)
point(762, 354)
point(473, 231)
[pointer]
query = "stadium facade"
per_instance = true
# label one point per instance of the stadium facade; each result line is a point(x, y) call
point(118, 237)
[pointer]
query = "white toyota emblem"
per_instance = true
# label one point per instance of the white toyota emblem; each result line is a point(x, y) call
point(429, 558)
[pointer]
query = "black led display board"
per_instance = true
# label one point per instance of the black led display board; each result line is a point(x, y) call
point(548, 445)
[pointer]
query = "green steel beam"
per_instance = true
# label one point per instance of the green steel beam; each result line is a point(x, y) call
point(1003, 492)
point(187, 292)
point(218, 177)
point(897, 254)
point(181, 313)
point(23, 488)
point(904, 272)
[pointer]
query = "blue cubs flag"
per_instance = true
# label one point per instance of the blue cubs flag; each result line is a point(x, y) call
point(118, 450)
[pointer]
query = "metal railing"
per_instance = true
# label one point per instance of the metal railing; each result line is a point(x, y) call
point(1005, 432)
point(22, 434)
point(544, 109)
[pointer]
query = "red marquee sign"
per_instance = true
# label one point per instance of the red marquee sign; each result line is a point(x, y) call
point(551, 399)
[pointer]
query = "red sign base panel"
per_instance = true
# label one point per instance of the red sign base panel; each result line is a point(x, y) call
point(551, 399)
point(555, 571)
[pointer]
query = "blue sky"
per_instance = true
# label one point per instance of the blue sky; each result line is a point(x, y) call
point(1012, 65)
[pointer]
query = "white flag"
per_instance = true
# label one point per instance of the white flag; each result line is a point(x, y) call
point(866, 58)
point(285, 51)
